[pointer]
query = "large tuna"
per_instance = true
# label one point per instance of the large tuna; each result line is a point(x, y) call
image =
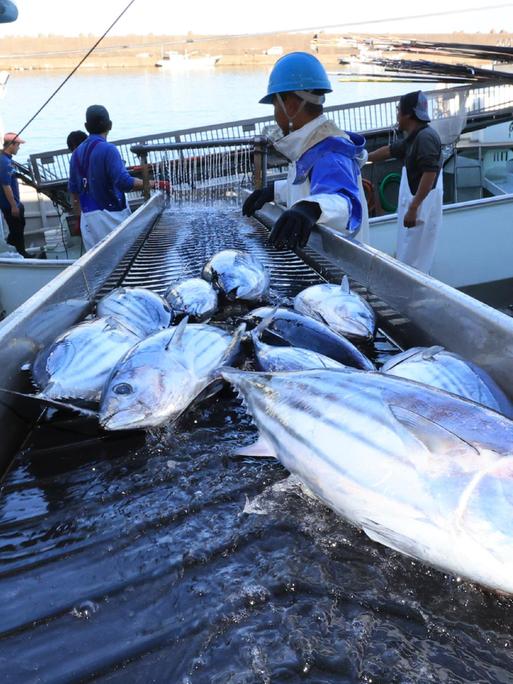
point(78, 363)
point(419, 470)
point(141, 310)
point(161, 376)
point(238, 275)
point(439, 368)
point(343, 311)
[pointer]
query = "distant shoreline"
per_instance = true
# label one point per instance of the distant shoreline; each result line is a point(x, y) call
point(46, 53)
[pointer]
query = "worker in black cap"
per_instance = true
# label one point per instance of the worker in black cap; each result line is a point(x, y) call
point(99, 180)
point(419, 210)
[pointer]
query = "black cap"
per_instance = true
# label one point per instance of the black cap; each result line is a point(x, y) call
point(97, 119)
point(74, 139)
point(415, 104)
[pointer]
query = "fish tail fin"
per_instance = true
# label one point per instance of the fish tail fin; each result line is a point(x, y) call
point(265, 322)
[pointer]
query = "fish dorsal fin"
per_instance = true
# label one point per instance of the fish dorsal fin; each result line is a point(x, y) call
point(179, 333)
point(232, 350)
point(430, 353)
point(399, 358)
point(344, 285)
point(53, 403)
point(265, 322)
point(436, 438)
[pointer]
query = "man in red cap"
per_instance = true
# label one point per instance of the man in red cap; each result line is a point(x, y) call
point(12, 209)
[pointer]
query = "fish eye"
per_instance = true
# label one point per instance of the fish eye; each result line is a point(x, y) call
point(123, 388)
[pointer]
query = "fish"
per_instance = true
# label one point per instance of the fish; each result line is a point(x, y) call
point(161, 376)
point(285, 325)
point(193, 297)
point(78, 363)
point(238, 275)
point(286, 358)
point(139, 309)
point(419, 470)
point(447, 371)
point(343, 311)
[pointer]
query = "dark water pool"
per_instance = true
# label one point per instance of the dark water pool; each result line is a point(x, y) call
point(166, 558)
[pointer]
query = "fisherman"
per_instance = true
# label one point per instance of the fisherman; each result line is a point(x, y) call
point(99, 180)
point(74, 139)
point(324, 183)
point(12, 208)
point(419, 210)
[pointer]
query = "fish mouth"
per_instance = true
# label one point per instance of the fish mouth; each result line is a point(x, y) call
point(125, 420)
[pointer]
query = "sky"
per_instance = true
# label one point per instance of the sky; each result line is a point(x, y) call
point(72, 17)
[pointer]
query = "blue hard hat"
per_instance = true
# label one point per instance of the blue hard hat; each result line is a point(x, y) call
point(296, 71)
point(8, 11)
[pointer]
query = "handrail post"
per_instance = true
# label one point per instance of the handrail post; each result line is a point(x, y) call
point(145, 175)
point(260, 161)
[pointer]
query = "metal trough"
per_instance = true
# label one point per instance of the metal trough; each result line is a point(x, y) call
point(152, 249)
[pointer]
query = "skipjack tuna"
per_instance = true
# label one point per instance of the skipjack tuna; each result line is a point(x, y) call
point(419, 470)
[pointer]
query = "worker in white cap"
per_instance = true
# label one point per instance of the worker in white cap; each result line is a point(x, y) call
point(12, 208)
point(324, 183)
point(419, 210)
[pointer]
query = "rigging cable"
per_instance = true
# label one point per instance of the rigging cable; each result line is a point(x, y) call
point(230, 36)
point(90, 51)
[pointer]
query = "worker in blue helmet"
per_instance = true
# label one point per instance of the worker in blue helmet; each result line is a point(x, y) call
point(324, 183)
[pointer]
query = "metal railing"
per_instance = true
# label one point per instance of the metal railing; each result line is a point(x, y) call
point(190, 163)
point(368, 116)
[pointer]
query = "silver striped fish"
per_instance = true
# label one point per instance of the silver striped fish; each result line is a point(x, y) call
point(238, 275)
point(419, 470)
point(343, 311)
point(436, 367)
point(141, 310)
point(285, 358)
point(193, 297)
point(161, 376)
point(78, 363)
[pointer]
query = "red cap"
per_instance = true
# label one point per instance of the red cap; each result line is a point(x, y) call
point(12, 137)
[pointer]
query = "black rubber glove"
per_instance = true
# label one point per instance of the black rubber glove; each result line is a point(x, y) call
point(257, 199)
point(294, 226)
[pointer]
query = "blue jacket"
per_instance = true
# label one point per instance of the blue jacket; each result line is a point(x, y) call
point(333, 168)
point(99, 176)
point(7, 177)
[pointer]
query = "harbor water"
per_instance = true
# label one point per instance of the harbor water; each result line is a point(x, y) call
point(144, 102)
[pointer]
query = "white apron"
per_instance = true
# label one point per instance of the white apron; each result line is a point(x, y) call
point(95, 225)
point(416, 246)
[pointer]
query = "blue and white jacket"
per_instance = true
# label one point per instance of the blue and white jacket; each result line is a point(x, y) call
point(325, 168)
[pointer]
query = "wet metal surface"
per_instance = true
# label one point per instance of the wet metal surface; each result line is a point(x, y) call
point(163, 557)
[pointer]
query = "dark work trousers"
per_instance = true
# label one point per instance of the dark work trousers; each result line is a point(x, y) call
point(16, 224)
